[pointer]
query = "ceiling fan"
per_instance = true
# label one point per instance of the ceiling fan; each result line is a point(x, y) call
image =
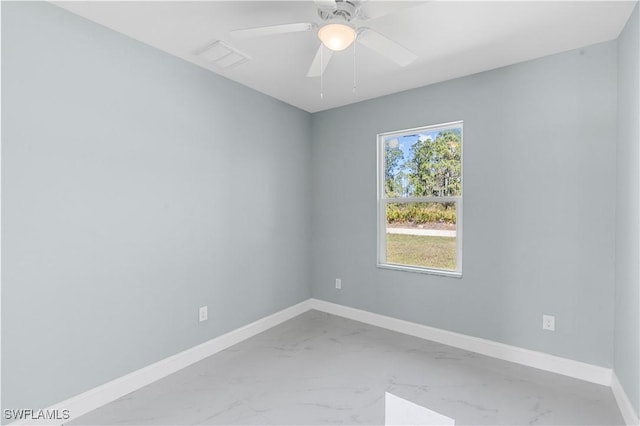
point(338, 31)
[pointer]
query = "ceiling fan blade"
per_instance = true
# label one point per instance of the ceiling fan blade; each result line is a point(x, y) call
point(369, 9)
point(326, 4)
point(320, 61)
point(274, 29)
point(386, 47)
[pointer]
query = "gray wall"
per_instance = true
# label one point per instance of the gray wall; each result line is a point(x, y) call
point(539, 205)
point(627, 290)
point(136, 187)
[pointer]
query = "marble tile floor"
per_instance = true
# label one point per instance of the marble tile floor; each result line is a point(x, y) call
point(320, 369)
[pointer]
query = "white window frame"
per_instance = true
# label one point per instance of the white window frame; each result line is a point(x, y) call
point(383, 201)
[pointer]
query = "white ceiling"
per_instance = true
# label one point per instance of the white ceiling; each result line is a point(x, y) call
point(451, 39)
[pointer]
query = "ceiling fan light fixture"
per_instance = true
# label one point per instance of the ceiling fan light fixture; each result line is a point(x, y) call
point(336, 36)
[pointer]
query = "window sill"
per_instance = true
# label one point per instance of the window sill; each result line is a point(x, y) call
point(405, 268)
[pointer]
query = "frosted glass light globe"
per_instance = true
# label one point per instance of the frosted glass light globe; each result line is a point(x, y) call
point(337, 36)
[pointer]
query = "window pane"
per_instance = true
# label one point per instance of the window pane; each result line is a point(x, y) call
point(422, 234)
point(425, 164)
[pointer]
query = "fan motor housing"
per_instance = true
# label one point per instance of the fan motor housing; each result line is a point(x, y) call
point(345, 10)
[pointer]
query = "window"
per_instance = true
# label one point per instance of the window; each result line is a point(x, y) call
point(420, 199)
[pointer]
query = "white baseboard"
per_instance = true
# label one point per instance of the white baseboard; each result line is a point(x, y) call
point(543, 361)
point(110, 391)
point(628, 412)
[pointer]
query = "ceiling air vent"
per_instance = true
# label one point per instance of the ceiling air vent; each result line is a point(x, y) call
point(222, 55)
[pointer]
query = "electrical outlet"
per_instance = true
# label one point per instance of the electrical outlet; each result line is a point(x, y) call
point(549, 322)
point(203, 314)
point(338, 283)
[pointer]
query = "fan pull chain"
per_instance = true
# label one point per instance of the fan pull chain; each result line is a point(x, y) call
point(321, 73)
point(354, 67)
